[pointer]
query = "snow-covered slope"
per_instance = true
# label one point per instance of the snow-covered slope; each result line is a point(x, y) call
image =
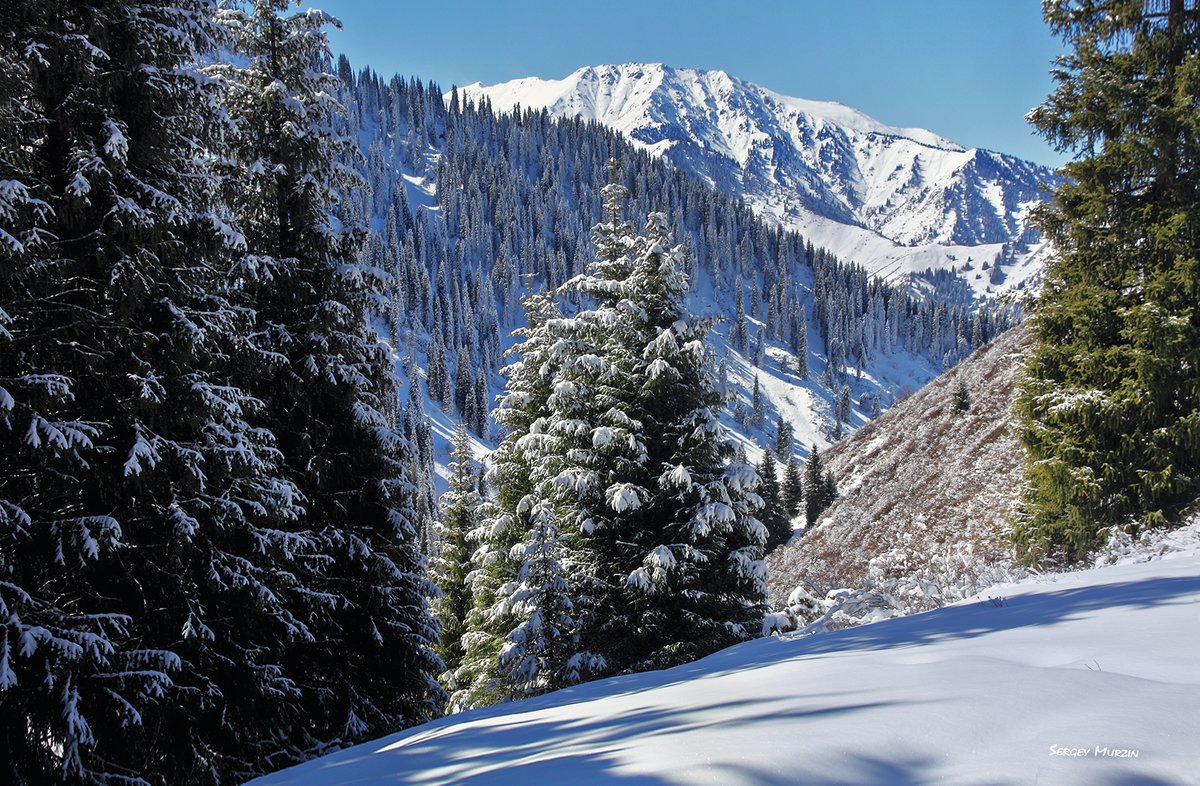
point(895, 200)
point(1086, 678)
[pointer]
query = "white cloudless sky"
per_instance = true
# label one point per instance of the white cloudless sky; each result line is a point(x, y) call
point(966, 69)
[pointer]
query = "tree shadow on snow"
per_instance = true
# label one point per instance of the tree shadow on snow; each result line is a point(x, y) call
point(518, 743)
point(964, 621)
point(525, 749)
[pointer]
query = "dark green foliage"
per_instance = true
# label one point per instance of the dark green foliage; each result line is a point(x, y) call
point(820, 489)
point(1110, 413)
point(364, 665)
point(774, 513)
point(960, 401)
point(145, 567)
point(793, 488)
point(206, 561)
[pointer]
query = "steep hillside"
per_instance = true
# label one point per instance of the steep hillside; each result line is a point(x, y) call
point(896, 200)
point(921, 484)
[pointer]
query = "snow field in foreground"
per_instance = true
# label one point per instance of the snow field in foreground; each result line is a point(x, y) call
point(1098, 663)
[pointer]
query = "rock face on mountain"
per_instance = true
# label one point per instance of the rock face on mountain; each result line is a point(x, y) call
point(923, 482)
point(895, 200)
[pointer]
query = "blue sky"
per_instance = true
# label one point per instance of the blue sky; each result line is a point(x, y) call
point(966, 69)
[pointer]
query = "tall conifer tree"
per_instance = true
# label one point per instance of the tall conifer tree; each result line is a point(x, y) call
point(659, 516)
point(365, 665)
point(1111, 409)
point(144, 549)
point(451, 563)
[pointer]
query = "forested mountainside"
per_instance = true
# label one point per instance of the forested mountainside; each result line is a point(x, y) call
point(895, 200)
point(470, 209)
point(924, 492)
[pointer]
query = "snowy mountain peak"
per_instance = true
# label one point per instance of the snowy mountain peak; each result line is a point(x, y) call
point(894, 199)
point(625, 96)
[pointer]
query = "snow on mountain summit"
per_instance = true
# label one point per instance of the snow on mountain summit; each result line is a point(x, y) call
point(625, 96)
point(895, 200)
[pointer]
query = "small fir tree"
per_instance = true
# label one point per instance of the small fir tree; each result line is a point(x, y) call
point(793, 488)
point(785, 435)
point(960, 403)
point(820, 489)
point(774, 513)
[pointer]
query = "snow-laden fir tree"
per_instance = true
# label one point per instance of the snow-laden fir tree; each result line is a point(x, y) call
point(757, 404)
point(450, 562)
point(147, 562)
point(740, 334)
point(800, 342)
point(679, 545)
point(785, 435)
point(668, 563)
point(364, 665)
point(521, 412)
point(540, 653)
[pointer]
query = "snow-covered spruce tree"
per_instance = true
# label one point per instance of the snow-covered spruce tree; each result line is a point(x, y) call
point(1110, 412)
point(624, 536)
point(800, 342)
point(146, 569)
point(540, 653)
point(521, 412)
point(450, 562)
point(364, 665)
point(669, 564)
point(526, 627)
point(785, 435)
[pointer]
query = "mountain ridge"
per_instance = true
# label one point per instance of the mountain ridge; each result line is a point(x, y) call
point(895, 200)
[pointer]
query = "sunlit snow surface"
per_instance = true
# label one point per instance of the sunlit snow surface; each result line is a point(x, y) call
point(983, 692)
